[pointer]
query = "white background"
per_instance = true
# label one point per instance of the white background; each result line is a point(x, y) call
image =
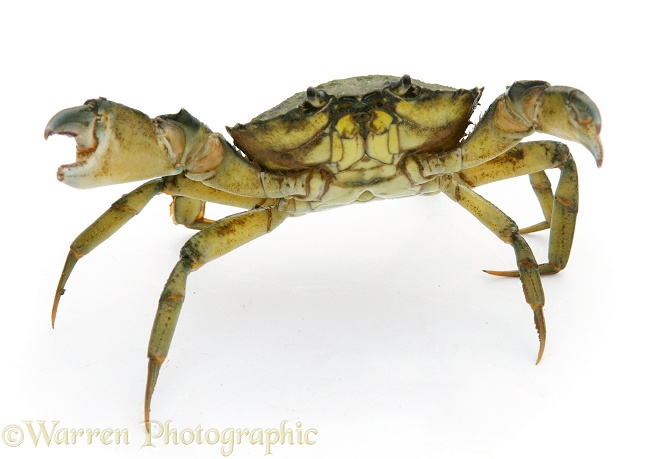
point(373, 323)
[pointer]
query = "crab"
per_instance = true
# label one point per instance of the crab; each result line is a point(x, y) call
point(346, 141)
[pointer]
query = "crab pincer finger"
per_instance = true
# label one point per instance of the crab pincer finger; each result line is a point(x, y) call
point(115, 144)
point(570, 114)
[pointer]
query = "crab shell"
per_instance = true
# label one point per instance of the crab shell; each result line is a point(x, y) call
point(341, 122)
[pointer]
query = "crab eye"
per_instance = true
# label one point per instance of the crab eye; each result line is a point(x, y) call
point(404, 87)
point(316, 99)
point(404, 84)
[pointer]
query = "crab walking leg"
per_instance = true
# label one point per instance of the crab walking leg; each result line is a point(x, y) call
point(507, 230)
point(560, 210)
point(210, 243)
point(528, 158)
point(180, 185)
point(130, 205)
point(543, 190)
point(107, 224)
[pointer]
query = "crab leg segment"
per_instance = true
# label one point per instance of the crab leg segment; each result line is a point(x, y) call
point(506, 229)
point(560, 210)
point(210, 243)
point(189, 198)
point(107, 224)
point(189, 212)
point(544, 193)
point(132, 203)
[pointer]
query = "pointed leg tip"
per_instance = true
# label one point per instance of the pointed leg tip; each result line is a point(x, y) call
point(541, 352)
point(147, 414)
point(53, 315)
point(147, 411)
point(502, 273)
point(70, 261)
point(151, 379)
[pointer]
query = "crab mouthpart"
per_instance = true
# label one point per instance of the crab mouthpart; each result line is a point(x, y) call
point(80, 123)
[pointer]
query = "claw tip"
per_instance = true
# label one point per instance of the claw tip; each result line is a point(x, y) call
point(540, 323)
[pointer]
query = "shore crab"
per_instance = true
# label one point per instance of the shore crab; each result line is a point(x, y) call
point(345, 141)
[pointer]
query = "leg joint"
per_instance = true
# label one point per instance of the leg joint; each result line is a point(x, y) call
point(121, 206)
point(523, 97)
point(189, 254)
point(570, 205)
point(510, 234)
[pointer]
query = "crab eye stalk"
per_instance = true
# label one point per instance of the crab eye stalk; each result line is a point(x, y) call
point(404, 84)
point(404, 87)
point(316, 99)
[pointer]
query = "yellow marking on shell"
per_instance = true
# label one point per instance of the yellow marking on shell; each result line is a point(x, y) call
point(347, 127)
point(348, 146)
point(285, 135)
point(380, 122)
point(352, 143)
point(434, 112)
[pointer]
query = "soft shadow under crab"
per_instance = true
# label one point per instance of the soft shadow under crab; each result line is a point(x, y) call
point(345, 141)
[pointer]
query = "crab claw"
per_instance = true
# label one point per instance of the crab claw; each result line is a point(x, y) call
point(115, 144)
point(570, 114)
